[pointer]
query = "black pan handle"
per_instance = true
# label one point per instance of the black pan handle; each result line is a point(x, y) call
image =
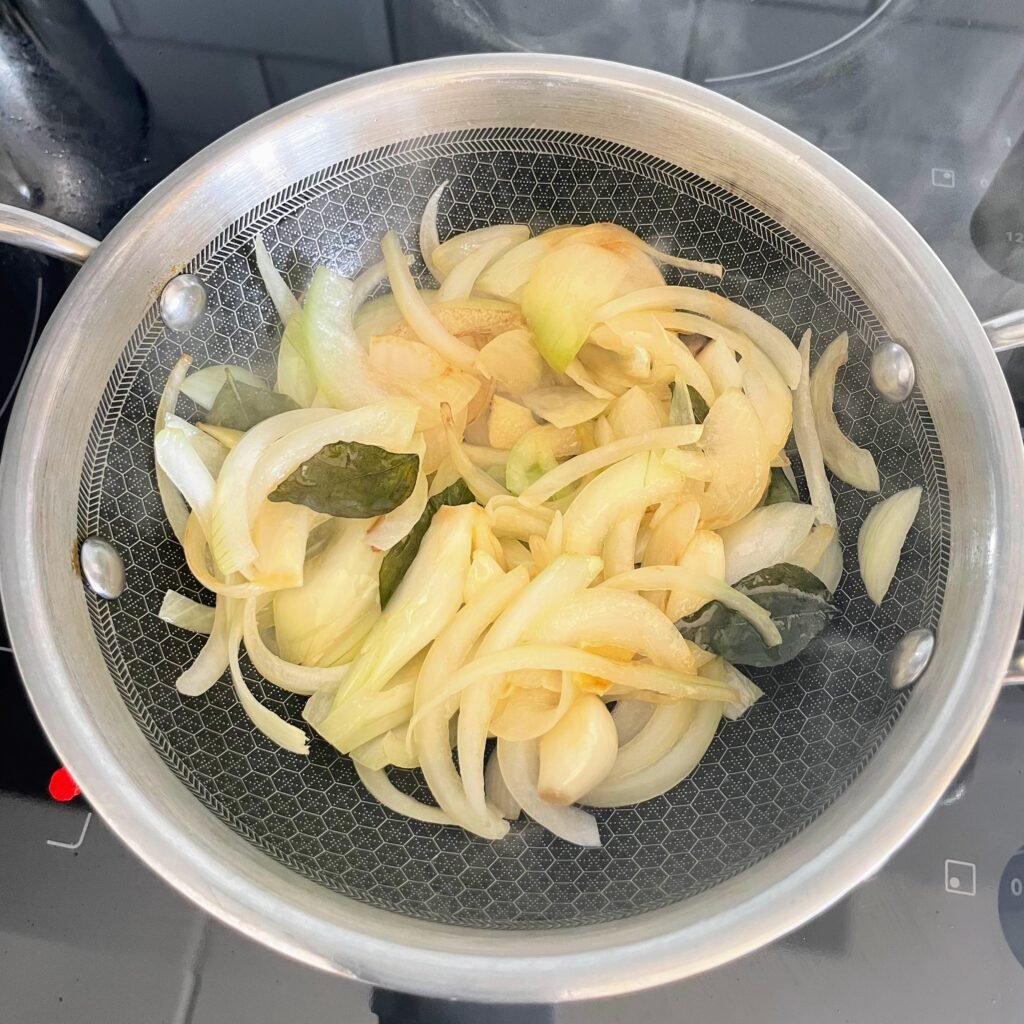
point(398, 1008)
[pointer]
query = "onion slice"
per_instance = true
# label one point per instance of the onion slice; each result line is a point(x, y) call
point(280, 294)
point(768, 535)
point(183, 612)
point(881, 540)
point(171, 499)
point(852, 464)
point(380, 787)
point(520, 764)
point(666, 773)
point(429, 238)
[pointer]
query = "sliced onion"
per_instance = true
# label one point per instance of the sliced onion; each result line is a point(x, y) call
point(204, 385)
point(611, 617)
point(749, 691)
point(767, 536)
point(632, 676)
point(195, 548)
point(212, 662)
point(663, 730)
point(483, 486)
point(273, 726)
point(183, 612)
point(627, 487)
point(580, 375)
point(498, 795)
point(616, 237)
point(606, 455)
point(811, 551)
point(184, 468)
point(805, 433)
point(630, 716)
point(231, 539)
point(512, 360)
point(507, 276)
point(207, 447)
point(381, 788)
point(668, 577)
point(619, 549)
point(564, 406)
point(667, 773)
point(881, 540)
point(565, 577)
point(368, 281)
point(716, 307)
point(291, 677)
point(417, 313)
point(852, 464)
point(429, 239)
point(171, 499)
point(461, 277)
point(520, 764)
point(280, 294)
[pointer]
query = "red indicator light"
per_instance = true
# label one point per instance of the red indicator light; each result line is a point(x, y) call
point(62, 786)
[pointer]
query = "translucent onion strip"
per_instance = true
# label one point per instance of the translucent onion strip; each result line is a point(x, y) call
point(458, 283)
point(204, 385)
point(805, 433)
point(520, 764)
point(669, 577)
point(630, 716)
point(667, 773)
point(498, 795)
point(881, 540)
point(716, 307)
point(273, 726)
point(603, 616)
point(280, 294)
point(600, 458)
point(429, 239)
point(662, 731)
point(183, 612)
point(172, 501)
point(852, 464)
point(381, 788)
point(231, 539)
point(483, 486)
point(631, 676)
point(417, 313)
point(184, 468)
point(212, 662)
point(291, 677)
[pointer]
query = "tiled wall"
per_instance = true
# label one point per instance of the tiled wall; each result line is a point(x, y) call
point(209, 65)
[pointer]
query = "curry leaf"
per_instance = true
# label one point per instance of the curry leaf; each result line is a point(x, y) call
point(700, 407)
point(351, 480)
point(797, 601)
point(397, 561)
point(779, 488)
point(240, 406)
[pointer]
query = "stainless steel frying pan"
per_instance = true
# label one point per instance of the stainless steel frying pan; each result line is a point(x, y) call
point(793, 805)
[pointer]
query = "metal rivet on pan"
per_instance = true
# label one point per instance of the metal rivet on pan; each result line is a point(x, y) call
point(892, 371)
point(182, 301)
point(910, 657)
point(102, 568)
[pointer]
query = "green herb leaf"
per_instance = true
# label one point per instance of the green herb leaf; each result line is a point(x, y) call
point(397, 561)
point(678, 414)
point(700, 407)
point(779, 488)
point(797, 601)
point(240, 406)
point(351, 480)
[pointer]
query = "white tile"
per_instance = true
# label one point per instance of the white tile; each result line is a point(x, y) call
point(612, 29)
point(288, 77)
point(348, 31)
point(203, 92)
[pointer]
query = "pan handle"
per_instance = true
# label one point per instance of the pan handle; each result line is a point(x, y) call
point(1006, 332)
point(30, 230)
point(398, 1008)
